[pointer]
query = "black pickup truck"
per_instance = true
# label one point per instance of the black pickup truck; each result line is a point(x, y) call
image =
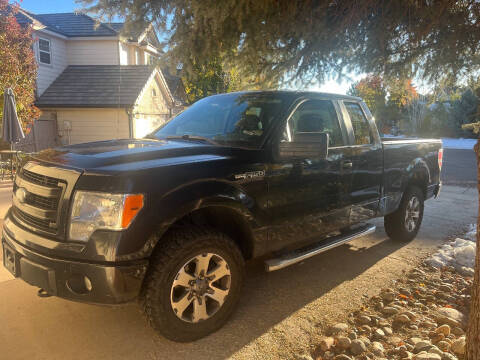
point(171, 219)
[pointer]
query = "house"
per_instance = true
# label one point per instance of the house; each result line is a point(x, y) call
point(96, 81)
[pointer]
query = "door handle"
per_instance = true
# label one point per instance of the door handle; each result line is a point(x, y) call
point(347, 165)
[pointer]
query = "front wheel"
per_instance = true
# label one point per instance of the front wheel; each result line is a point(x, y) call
point(404, 223)
point(194, 283)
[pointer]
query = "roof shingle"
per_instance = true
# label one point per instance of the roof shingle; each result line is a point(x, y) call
point(96, 86)
point(74, 24)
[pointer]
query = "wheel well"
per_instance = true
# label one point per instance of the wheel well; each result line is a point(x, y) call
point(420, 179)
point(228, 221)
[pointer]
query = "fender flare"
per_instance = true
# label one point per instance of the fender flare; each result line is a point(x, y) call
point(200, 195)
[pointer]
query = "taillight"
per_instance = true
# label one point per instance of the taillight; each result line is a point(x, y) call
point(440, 158)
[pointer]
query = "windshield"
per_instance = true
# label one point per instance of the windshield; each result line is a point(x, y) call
point(229, 119)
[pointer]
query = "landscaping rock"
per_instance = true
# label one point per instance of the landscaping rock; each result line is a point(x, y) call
point(387, 330)
point(379, 334)
point(328, 355)
point(435, 350)
point(377, 348)
point(394, 340)
point(436, 337)
point(365, 340)
point(344, 342)
point(444, 329)
point(338, 328)
point(422, 345)
point(450, 317)
point(402, 318)
point(443, 345)
point(366, 329)
point(388, 295)
point(352, 335)
point(342, 357)
point(427, 356)
point(364, 320)
point(388, 310)
point(357, 347)
point(458, 346)
point(326, 343)
point(458, 331)
point(410, 315)
point(448, 356)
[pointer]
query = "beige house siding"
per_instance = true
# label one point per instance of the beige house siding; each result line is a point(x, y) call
point(123, 48)
point(91, 124)
point(93, 52)
point(152, 109)
point(58, 53)
point(153, 99)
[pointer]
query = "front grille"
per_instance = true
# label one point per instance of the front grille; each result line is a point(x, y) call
point(38, 202)
point(42, 202)
point(39, 179)
point(42, 224)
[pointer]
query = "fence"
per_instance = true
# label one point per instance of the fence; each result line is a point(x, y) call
point(42, 135)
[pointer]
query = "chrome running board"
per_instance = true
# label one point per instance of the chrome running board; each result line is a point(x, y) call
point(298, 255)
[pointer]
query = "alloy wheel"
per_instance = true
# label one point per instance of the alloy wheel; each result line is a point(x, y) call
point(412, 214)
point(200, 287)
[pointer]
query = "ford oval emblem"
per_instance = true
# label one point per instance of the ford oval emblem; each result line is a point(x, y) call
point(21, 194)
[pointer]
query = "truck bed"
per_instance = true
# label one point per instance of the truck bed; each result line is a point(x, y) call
point(404, 158)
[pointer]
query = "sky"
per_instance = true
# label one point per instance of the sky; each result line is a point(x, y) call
point(49, 6)
point(56, 6)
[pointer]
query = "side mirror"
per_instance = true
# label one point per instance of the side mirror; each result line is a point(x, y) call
point(305, 145)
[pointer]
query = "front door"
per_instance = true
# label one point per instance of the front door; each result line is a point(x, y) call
point(307, 197)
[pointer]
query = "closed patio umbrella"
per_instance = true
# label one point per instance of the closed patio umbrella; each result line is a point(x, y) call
point(12, 130)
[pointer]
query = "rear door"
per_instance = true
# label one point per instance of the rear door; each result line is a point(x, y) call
point(367, 160)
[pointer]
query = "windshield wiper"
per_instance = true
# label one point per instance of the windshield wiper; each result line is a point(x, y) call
point(191, 138)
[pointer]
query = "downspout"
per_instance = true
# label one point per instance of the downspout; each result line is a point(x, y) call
point(129, 112)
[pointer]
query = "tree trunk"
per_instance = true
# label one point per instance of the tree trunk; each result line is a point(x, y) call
point(473, 333)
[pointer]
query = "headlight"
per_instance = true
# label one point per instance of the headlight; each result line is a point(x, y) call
point(96, 210)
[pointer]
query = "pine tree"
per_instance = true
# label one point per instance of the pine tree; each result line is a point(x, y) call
point(282, 40)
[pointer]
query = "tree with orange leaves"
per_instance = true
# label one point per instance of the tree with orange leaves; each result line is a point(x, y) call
point(18, 68)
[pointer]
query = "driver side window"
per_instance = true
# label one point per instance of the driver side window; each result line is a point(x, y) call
point(316, 116)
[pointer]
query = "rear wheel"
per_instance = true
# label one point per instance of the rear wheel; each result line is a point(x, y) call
point(194, 283)
point(404, 223)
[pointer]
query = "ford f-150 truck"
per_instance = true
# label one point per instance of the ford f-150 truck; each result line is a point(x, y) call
point(170, 219)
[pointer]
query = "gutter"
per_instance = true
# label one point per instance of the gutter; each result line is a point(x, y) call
point(129, 112)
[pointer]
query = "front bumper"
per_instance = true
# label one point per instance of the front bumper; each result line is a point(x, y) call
point(101, 283)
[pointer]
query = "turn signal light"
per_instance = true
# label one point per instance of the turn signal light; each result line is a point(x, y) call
point(132, 205)
point(440, 158)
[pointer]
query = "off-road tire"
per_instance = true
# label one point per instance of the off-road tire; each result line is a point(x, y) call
point(395, 223)
point(174, 250)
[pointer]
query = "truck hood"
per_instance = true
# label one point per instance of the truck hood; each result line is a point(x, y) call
point(128, 154)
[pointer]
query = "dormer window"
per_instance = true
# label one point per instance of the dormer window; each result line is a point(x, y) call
point(44, 51)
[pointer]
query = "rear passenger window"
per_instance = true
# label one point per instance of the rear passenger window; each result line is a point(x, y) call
point(317, 116)
point(360, 125)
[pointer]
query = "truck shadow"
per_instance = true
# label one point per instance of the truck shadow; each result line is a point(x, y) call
point(67, 330)
point(269, 298)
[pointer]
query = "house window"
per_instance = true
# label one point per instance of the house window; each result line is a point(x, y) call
point(44, 51)
point(151, 60)
point(154, 93)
